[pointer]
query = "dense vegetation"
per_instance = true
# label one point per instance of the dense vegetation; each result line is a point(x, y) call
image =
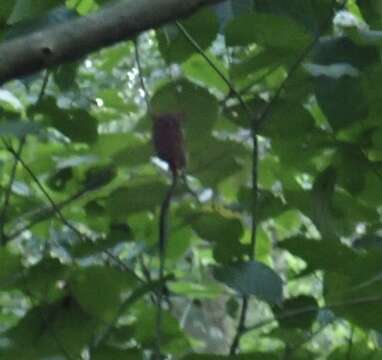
point(274, 234)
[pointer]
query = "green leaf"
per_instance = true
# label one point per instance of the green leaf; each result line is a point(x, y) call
point(257, 63)
point(195, 291)
point(268, 31)
point(25, 9)
point(118, 233)
point(18, 128)
point(328, 254)
point(252, 278)
point(322, 200)
point(136, 198)
point(6, 10)
point(292, 314)
point(268, 205)
point(341, 50)
point(196, 70)
point(65, 76)
point(209, 160)
point(75, 123)
point(123, 149)
point(10, 269)
point(173, 45)
point(358, 302)
point(99, 176)
point(223, 231)
point(59, 179)
point(43, 279)
point(368, 241)
point(372, 13)
point(288, 119)
point(100, 290)
point(172, 336)
point(310, 13)
point(9, 102)
point(213, 226)
point(109, 352)
point(360, 350)
point(349, 158)
point(31, 338)
point(334, 97)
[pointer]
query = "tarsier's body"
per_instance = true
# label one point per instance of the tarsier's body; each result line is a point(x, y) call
point(168, 140)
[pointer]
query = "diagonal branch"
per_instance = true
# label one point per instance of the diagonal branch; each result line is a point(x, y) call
point(78, 37)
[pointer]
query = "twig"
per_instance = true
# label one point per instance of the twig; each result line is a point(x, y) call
point(240, 326)
point(140, 75)
point(163, 227)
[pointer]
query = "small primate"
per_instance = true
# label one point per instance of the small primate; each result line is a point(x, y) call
point(169, 145)
point(168, 140)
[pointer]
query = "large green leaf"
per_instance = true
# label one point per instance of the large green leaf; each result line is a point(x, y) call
point(42, 280)
point(136, 198)
point(26, 9)
point(290, 315)
point(77, 124)
point(100, 290)
point(341, 50)
point(311, 13)
point(5, 11)
point(175, 47)
point(355, 295)
point(328, 254)
point(267, 30)
point(115, 353)
point(10, 270)
point(252, 278)
point(31, 338)
point(334, 97)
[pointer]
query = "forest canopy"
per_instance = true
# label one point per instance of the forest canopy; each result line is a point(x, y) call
point(266, 194)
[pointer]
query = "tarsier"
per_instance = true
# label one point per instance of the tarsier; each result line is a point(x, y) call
point(169, 145)
point(168, 140)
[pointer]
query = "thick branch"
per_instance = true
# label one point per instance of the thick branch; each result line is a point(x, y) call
point(81, 36)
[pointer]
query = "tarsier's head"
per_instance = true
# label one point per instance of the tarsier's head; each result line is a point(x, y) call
point(168, 140)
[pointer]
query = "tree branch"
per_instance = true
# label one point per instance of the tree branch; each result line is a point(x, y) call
point(81, 36)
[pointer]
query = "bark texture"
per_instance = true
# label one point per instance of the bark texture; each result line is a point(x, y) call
point(81, 36)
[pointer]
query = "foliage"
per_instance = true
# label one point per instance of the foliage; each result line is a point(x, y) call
point(276, 245)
